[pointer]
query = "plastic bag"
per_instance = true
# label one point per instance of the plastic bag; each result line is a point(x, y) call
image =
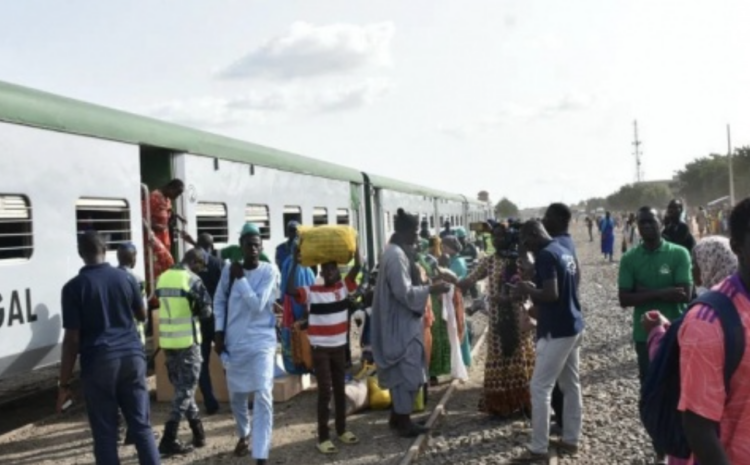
point(380, 399)
point(322, 244)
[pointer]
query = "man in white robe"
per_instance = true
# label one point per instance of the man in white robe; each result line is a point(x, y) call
point(246, 341)
point(398, 308)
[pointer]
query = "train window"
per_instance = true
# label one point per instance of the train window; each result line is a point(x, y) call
point(387, 224)
point(259, 215)
point(320, 216)
point(292, 213)
point(109, 217)
point(212, 218)
point(16, 240)
point(432, 221)
point(342, 216)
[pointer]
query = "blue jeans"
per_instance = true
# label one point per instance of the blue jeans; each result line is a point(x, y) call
point(119, 384)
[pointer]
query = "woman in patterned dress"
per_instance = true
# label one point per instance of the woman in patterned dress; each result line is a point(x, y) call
point(510, 344)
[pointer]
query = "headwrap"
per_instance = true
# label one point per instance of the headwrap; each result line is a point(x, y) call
point(453, 243)
point(460, 232)
point(715, 259)
point(405, 223)
point(249, 229)
point(292, 224)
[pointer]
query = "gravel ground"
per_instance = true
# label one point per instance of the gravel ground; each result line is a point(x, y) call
point(612, 433)
point(66, 440)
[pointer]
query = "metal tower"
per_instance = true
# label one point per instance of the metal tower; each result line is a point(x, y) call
point(637, 153)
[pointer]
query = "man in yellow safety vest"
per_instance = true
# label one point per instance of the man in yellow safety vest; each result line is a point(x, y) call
point(183, 301)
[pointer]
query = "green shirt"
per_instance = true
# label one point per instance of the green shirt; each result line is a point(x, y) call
point(233, 253)
point(667, 266)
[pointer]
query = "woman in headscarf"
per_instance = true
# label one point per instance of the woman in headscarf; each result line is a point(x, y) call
point(398, 309)
point(510, 342)
point(452, 247)
point(607, 229)
point(713, 261)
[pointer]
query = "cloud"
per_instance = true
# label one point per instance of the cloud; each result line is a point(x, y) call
point(261, 106)
point(350, 97)
point(515, 113)
point(306, 50)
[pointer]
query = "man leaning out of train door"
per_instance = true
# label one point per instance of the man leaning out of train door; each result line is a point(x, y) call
point(328, 330)
point(183, 301)
point(98, 307)
point(246, 341)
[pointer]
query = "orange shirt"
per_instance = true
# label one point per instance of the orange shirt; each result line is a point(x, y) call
point(701, 340)
point(161, 210)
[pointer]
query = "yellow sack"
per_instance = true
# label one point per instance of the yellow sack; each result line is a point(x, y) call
point(322, 244)
point(380, 399)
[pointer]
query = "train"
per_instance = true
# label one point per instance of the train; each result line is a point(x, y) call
point(68, 165)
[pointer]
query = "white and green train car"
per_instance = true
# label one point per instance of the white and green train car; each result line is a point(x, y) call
point(66, 166)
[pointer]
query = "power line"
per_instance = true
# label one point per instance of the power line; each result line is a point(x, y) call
point(638, 154)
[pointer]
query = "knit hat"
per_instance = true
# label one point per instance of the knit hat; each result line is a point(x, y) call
point(405, 223)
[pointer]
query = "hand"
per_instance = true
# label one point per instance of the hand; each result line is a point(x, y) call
point(187, 237)
point(653, 319)
point(236, 271)
point(439, 287)
point(63, 395)
point(278, 309)
point(219, 343)
point(447, 276)
point(675, 294)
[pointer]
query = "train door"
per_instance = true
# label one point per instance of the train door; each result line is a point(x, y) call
point(157, 169)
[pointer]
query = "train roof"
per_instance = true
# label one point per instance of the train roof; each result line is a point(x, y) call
point(22, 105)
point(409, 188)
point(31, 107)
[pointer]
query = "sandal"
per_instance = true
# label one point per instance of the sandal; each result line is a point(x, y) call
point(242, 448)
point(349, 438)
point(327, 447)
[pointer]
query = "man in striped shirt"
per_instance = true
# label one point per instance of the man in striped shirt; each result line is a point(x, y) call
point(328, 326)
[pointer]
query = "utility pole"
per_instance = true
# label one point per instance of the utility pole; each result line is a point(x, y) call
point(637, 153)
point(731, 168)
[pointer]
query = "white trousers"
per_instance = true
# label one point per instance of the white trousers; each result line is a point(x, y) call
point(262, 420)
point(556, 360)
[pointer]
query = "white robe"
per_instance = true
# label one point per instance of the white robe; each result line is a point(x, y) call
point(250, 336)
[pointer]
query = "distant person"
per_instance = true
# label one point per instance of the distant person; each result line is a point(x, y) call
point(210, 275)
point(702, 219)
point(607, 229)
point(676, 230)
point(446, 230)
point(99, 310)
point(590, 228)
point(424, 229)
point(284, 250)
point(655, 275)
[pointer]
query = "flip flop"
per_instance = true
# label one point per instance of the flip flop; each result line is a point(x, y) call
point(327, 447)
point(349, 438)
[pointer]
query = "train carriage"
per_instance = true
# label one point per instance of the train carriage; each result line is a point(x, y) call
point(67, 166)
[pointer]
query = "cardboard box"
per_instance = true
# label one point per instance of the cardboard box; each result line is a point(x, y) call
point(284, 388)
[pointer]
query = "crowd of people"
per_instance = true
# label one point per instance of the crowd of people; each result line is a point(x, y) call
point(415, 328)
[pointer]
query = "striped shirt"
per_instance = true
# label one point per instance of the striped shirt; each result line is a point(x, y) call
point(329, 312)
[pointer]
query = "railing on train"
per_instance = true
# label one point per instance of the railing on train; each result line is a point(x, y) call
point(149, 249)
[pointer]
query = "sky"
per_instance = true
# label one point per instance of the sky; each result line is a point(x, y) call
point(533, 100)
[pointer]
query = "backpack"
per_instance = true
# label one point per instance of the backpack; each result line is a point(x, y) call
point(660, 393)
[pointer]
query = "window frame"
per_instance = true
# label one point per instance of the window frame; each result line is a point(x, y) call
point(109, 205)
point(264, 223)
point(222, 226)
point(25, 233)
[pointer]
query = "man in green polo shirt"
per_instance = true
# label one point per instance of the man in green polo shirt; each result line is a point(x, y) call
point(655, 275)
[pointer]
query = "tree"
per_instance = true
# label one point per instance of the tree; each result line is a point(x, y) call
point(506, 209)
point(594, 203)
point(633, 196)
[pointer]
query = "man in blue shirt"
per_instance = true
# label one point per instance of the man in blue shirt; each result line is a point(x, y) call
point(559, 330)
point(557, 222)
point(284, 250)
point(98, 307)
